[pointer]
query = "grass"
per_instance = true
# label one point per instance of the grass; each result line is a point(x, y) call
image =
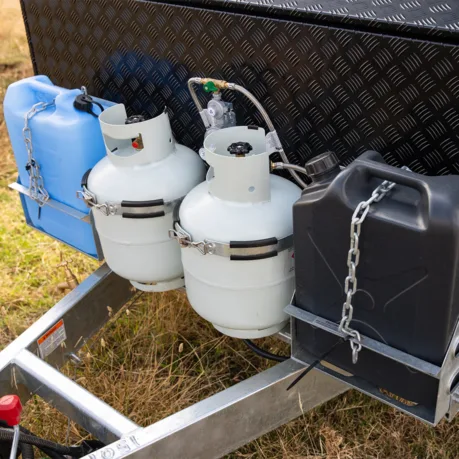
point(159, 357)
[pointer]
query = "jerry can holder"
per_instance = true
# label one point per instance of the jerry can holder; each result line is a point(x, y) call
point(445, 400)
point(24, 194)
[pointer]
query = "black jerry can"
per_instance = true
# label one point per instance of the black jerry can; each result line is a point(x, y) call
point(407, 277)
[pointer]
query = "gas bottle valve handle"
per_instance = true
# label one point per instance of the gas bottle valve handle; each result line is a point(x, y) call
point(240, 149)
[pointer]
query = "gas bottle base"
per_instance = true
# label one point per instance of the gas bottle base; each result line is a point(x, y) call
point(251, 334)
point(164, 286)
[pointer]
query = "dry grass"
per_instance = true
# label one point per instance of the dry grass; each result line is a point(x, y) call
point(159, 356)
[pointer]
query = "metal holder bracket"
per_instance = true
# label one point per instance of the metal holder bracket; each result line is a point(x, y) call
point(445, 403)
point(63, 208)
point(52, 203)
point(235, 250)
point(130, 209)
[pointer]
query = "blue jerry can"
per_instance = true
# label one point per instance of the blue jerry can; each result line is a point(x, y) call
point(66, 143)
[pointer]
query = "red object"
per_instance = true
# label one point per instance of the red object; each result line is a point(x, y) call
point(10, 409)
point(135, 144)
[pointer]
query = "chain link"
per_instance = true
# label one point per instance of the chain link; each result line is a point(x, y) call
point(37, 189)
point(353, 259)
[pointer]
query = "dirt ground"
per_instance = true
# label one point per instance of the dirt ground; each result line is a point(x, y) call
point(159, 357)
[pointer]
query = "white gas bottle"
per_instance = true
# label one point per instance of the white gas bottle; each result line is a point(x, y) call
point(135, 192)
point(236, 231)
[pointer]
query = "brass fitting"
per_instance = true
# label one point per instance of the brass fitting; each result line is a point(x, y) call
point(220, 84)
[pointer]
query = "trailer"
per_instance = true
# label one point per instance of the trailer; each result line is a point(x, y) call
point(363, 71)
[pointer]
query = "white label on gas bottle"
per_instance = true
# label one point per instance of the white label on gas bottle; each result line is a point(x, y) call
point(52, 339)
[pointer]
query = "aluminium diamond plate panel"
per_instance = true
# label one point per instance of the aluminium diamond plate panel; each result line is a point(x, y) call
point(325, 87)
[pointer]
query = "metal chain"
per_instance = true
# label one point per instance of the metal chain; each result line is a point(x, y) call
point(353, 258)
point(37, 189)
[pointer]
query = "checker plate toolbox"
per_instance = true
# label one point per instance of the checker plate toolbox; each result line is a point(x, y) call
point(391, 85)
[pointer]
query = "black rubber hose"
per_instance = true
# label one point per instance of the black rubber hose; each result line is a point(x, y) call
point(50, 453)
point(265, 354)
point(74, 451)
point(26, 451)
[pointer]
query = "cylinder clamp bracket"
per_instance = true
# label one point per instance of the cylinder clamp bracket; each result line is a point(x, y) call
point(234, 250)
point(131, 209)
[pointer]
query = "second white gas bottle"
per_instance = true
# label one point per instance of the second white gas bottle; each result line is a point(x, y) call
point(135, 192)
point(236, 231)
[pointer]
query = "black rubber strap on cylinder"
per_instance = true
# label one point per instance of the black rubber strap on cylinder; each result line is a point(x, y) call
point(261, 256)
point(84, 179)
point(145, 215)
point(154, 203)
point(256, 243)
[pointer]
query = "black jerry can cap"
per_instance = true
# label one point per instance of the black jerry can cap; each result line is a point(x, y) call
point(85, 103)
point(322, 166)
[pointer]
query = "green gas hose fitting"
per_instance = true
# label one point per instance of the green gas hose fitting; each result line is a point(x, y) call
point(210, 86)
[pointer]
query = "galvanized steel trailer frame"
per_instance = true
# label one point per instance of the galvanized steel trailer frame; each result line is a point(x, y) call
point(209, 429)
